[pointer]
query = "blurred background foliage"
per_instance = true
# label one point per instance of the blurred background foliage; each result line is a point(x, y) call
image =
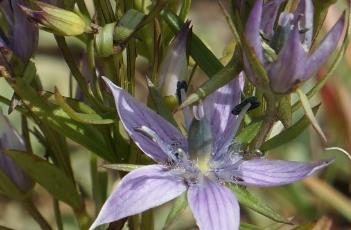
point(318, 202)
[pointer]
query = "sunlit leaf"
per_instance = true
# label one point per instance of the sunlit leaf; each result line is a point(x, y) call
point(288, 134)
point(310, 115)
point(122, 167)
point(95, 118)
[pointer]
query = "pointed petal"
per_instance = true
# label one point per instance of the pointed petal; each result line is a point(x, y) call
point(252, 29)
point(23, 28)
point(304, 13)
point(218, 107)
point(252, 35)
point(270, 11)
point(287, 71)
point(141, 189)
point(174, 65)
point(325, 49)
point(266, 173)
point(134, 115)
point(214, 206)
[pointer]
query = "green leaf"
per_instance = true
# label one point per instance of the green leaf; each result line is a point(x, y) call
point(128, 24)
point(218, 80)
point(319, 15)
point(248, 133)
point(310, 115)
point(86, 135)
point(47, 175)
point(8, 188)
point(247, 199)
point(245, 226)
point(104, 40)
point(122, 167)
point(94, 118)
point(288, 134)
point(178, 206)
point(207, 61)
point(285, 111)
point(160, 104)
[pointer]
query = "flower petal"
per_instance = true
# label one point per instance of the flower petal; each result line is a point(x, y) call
point(214, 206)
point(288, 70)
point(325, 49)
point(134, 115)
point(252, 35)
point(23, 28)
point(270, 11)
point(252, 29)
point(174, 65)
point(266, 173)
point(141, 189)
point(304, 13)
point(218, 107)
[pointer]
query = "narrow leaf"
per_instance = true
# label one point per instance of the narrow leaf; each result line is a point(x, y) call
point(207, 61)
point(122, 167)
point(218, 80)
point(247, 199)
point(309, 113)
point(95, 119)
point(248, 133)
point(178, 206)
point(47, 175)
point(288, 134)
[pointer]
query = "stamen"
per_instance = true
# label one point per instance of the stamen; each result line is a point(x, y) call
point(181, 86)
point(198, 111)
point(241, 116)
point(250, 100)
point(173, 151)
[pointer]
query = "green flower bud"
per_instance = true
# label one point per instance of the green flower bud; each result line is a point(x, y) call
point(57, 20)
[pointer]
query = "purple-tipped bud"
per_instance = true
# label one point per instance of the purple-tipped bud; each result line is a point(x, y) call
point(58, 21)
point(287, 57)
point(10, 139)
point(22, 37)
point(174, 65)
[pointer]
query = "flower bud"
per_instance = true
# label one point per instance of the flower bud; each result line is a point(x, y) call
point(174, 65)
point(58, 21)
point(10, 139)
point(18, 27)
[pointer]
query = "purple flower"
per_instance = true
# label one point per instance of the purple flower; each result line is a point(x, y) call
point(200, 164)
point(22, 37)
point(174, 66)
point(10, 139)
point(285, 52)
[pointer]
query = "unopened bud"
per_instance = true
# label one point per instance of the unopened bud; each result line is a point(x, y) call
point(58, 21)
point(174, 66)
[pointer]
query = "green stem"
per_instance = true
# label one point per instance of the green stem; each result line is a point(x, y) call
point(61, 42)
point(36, 215)
point(58, 215)
point(267, 124)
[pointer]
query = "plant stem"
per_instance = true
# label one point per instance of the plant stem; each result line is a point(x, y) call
point(61, 42)
point(267, 124)
point(58, 215)
point(36, 215)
